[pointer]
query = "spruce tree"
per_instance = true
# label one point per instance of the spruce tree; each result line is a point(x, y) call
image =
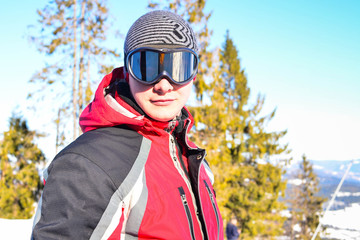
point(20, 183)
point(233, 132)
point(305, 202)
point(240, 150)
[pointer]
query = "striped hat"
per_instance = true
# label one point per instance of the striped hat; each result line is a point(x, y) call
point(160, 28)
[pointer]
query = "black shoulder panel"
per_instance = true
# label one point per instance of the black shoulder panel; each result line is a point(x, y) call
point(112, 149)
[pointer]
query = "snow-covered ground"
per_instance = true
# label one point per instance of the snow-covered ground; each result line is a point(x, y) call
point(342, 224)
point(15, 229)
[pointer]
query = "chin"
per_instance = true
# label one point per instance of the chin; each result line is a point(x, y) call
point(163, 118)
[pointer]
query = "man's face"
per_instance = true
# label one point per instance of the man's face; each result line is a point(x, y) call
point(161, 101)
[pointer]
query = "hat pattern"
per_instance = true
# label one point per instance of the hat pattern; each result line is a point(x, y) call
point(160, 28)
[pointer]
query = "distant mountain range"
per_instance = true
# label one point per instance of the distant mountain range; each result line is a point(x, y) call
point(330, 174)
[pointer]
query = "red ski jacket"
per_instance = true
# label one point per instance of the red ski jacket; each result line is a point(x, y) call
point(128, 177)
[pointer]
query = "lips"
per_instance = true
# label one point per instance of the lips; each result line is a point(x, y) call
point(162, 102)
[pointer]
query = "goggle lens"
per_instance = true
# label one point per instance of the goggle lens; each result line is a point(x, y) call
point(148, 66)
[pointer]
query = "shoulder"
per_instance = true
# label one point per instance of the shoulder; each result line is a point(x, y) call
point(111, 136)
point(113, 149)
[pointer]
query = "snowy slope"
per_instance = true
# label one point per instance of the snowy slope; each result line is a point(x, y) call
point(342, 224)
point(15, 229)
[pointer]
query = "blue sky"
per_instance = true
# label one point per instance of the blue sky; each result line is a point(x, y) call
point(303, 56)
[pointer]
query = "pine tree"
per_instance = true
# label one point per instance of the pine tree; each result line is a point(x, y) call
point(233, 132)
point(240, 150)
point(70, 33)
point(20, 183)
point(305, 203)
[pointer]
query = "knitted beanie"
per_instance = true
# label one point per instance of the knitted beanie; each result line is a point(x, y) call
point(160, 28)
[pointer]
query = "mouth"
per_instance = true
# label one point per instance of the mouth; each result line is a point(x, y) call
point(162, 102)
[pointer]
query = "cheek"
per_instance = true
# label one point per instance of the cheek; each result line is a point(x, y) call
point(141, 98)
point(137, 89)
point(185, 91)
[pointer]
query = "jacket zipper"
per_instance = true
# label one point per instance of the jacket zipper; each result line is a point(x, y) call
point(187, 211)
point(211, 195)
point(174, 157)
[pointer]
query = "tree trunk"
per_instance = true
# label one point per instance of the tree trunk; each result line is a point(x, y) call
point(81, 64)
point(57, 122)
point(88, 94)
point(81, 70)
point(74, 76)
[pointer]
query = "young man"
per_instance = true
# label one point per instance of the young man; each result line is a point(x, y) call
point(134, 174)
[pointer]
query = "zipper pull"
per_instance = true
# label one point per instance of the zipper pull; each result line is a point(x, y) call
point(183, 198)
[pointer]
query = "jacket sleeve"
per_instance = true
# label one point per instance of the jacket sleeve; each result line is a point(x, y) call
point(76, 194)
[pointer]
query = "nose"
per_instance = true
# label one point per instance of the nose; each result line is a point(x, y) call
point(163, 86)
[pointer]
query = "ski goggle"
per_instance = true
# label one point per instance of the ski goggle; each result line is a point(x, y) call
point(150, 65)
